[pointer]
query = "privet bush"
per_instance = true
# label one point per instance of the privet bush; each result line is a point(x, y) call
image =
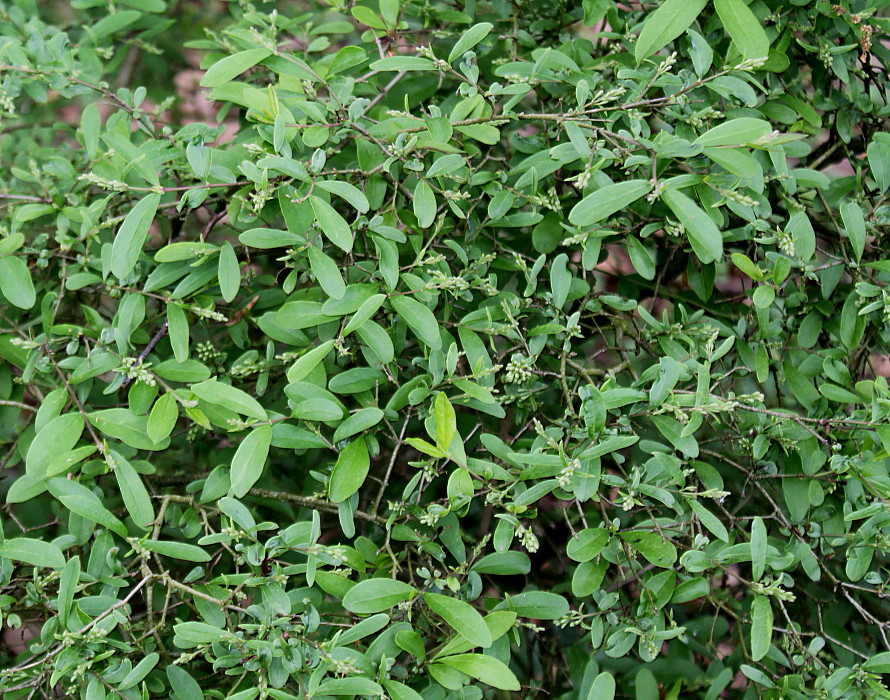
point(496, 349)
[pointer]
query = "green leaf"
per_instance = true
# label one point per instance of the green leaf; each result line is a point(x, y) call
point(327, 274)
point(90, 126)
point(351, 194)
point(346, 58)
point(162, 418)
point(29, 212)
point(538, 605)
point(486, 669)
point(176, 550)
point(366, 311)
point(587, 544)
point(446, 421)
point(334, 226)
point(653, 547)
point(419, 319)
point(640, 258)
point(361, 420)
point(594, 11)
point(879, 163)
point(745, 29)
point(215, 392)
point(735, 132)
point(132, 234)
point(139, 672)
point(463, 618)
point(879, 663)
point(603, 687)
point(376, 595)
point(350, 471)
point(250, 460)
point(113, 23)
point(484, 133)
point(230, 67)
point(199, 633)
point(560, 280)
point(470, 38)
point(854, 223)
point(746, 265)
point(673, 431)
point(308, 362)
point(237, 512)
point(228, 272)
point(267, 238)
point(11, 243)
point(33, 552)
point(441, 131)
point(67, 589)
point(178, 330)
point(709, 520)
point(134, 493)
point(800, 228)
point(832, 392)
point(183, 685)
point(503, 564)
point(761, 627)
point(669, 21)
point(403, 63)
point(15, 282)
point(756, 675)
point(736, 160)
point(426, 447)
point(705, 237)
point(79, 499)
point(400, 691)
point(690, 590)
point(758, 548)
point(607, 201)
point(58, 436)
point(184, 250)
point(424, 204)
point(349, 686)
point(763, 296)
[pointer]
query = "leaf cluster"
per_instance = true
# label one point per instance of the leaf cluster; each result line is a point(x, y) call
point(485, 349)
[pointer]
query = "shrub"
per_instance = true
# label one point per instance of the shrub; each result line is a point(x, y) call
point(481, 349)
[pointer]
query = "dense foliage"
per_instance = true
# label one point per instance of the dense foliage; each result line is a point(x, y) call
point(460, 350)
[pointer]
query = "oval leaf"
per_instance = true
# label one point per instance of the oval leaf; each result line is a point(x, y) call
point(130, 238)
point(33, 552)
point(15, 282)
point(608, 200)
point(704, 236)
point(462, 617)
point(250, 460)
point(376, 595)
point(350, 471)
point(419, 319)
point(664, 25)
